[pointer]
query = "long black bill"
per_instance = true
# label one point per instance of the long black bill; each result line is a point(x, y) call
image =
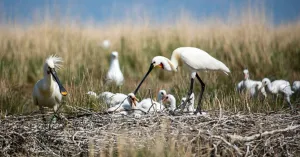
point(62, 89)
point(150, 68)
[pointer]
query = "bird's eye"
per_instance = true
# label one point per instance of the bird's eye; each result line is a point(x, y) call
point(153, 62)
point(167, 97)
point(162, 93)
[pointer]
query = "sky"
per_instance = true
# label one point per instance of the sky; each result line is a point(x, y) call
point(280, 11)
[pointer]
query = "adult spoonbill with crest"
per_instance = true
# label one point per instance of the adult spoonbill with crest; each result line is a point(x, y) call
point(48, 91)
point(193, 58)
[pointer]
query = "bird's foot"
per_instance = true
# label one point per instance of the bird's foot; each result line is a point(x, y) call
point(293, 112)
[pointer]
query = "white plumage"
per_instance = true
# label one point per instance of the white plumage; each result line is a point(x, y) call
point(251, 86)
point(115, 100)
point(125, 105)
point(106, 44)
point(112, 99)
point(193, 58)
point(279, 87)
point(296, 86)
point(197, 59)
point(170, 99)
point(114, 73)
point(48, 91)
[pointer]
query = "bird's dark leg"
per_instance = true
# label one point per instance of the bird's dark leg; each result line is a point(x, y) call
point(287, 98)
point(201, 94)
point(182, 106)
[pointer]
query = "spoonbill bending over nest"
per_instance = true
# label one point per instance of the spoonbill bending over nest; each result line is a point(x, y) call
point(114, 73)
point(48, 91)
point(279, 87)
point(250, 85)
point(193, 58)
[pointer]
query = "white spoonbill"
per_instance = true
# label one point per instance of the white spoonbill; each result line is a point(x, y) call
point(279, 87)
point(296, 86)
point(170, 99)
point(250, 85)
point(48, 91)
point(193, 58)
point(114, 73)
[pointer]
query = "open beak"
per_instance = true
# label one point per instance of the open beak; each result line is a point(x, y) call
point(134, 100)
point(61, 87)
point(150, 69)
point(164, 99)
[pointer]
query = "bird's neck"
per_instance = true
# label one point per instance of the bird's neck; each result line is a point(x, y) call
point(175, 61)
point(49, 81)
point(270, 87)
point(114, 64)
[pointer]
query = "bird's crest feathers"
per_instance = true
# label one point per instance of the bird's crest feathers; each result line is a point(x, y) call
point(54, 61)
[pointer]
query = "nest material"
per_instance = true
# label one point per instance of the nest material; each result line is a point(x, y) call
point(217, 133)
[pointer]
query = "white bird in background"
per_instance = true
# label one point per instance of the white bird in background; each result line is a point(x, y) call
point(106, 44)
point(250, 85)
point(114, 73)
point(190, 104)
point(48, 91)
point(279, 87)
point(170, 99)
point(193, 58)
point(296, 86)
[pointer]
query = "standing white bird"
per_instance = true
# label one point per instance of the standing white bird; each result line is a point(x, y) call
point(170, 99)
point(193, 58)
point(48, 91)
point(296, 86)
point(279, 87)
point(254, 87)
point(114, 73)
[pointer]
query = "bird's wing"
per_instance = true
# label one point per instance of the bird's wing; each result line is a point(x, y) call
point(198, 59)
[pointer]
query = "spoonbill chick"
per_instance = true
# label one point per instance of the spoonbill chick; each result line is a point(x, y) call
point(150, 105)
point(279, 87)
point(170, 99)
point(106, 44)
point(195, 60)
point(190, 104)
point(48, 91)
point(296, 86)
point(112, 99)
point(114, 73)
point(126, 105)
point(254, 87)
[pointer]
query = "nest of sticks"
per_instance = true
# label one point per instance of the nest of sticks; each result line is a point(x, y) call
point(217, 133)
